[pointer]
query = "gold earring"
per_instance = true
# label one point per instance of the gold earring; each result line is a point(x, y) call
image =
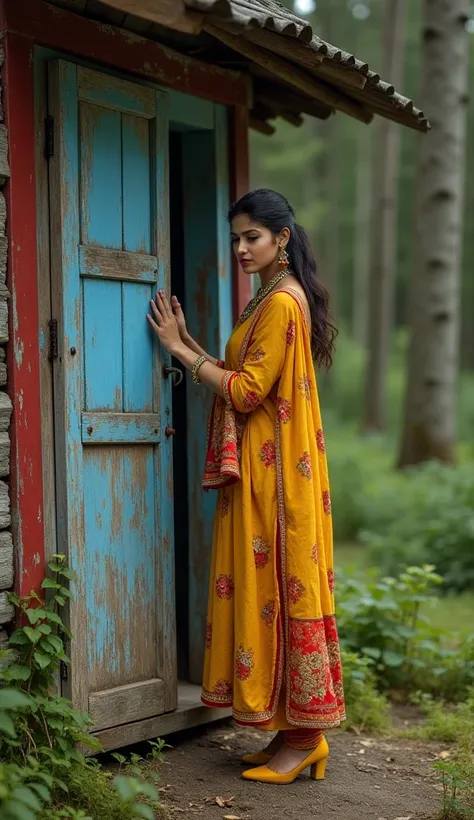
point(283, 260)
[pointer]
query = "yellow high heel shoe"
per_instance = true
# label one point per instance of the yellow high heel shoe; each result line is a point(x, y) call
point(317, 759)
point(256, 758)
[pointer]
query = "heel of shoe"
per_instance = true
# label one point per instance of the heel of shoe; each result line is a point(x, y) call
point(318, 770)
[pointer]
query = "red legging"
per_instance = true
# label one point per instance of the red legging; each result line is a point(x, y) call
point(303, 738)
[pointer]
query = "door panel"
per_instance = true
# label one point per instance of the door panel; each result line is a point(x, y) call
point(109, 240)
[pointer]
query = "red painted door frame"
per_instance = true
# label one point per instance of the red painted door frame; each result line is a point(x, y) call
point(24, 24)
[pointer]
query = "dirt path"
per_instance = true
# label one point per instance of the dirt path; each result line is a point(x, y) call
point(367, 779)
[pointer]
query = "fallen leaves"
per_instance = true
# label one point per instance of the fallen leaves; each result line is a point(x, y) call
point(224, 802)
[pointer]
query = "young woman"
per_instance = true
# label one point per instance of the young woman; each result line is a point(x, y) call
point(272, 650)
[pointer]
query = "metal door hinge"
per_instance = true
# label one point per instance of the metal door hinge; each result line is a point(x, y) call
point(63, 671)
point(49, 137)
point(53, 339)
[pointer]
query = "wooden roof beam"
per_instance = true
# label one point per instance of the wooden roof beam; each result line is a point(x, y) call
point(285, 100)
point(305, 55)
point(290, 74)
point(170, 13)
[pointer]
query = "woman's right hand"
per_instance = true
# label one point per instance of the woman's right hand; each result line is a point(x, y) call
point(180, 319)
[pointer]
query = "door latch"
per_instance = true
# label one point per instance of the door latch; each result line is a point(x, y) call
point(174, 372)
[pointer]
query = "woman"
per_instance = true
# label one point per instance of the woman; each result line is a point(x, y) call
point(272, 649)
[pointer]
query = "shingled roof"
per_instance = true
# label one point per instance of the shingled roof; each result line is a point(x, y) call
point(294, 72)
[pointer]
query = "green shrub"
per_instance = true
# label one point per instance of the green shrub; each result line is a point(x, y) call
point(42, 773)
point(367, 709)
point(381, 619)
point(428, 516)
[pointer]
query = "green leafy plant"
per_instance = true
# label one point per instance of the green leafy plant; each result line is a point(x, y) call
point(382, 619)
point(42, 772)
point(457, 777)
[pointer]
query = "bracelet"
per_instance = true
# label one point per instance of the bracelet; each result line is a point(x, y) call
point(196, 368)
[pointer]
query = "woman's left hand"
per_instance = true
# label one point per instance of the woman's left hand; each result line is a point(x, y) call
point(164, 323)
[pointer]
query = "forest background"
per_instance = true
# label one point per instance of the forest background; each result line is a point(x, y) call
point(327, 170)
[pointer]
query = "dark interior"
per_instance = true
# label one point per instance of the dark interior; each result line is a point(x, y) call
point(180, 476)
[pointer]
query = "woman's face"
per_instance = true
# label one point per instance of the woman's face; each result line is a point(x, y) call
point(255, 247)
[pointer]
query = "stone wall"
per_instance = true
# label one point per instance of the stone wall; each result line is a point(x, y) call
point(6, 545)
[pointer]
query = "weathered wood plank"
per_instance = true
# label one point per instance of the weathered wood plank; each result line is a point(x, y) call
point(162, 398)
point(66, 295)
point(4, 454)
point(190, 712)
point(44, 311)
point(121, 428)
point(137, 351)
point(6, 560)
point(5, 412)
point(110, 92)
point(7, 610)
point(136, 186)
point(5, 517)
point(125, 704)
point(111, 264)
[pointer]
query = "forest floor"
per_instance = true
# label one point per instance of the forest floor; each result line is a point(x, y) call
point(368, 778)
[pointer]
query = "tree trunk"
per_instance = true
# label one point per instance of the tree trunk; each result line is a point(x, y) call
point(384, 228)
point(433, 357)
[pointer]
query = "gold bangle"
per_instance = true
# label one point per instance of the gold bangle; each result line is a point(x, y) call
point(196, 368)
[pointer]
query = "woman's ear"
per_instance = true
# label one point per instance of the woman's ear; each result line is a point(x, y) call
point(284, 237)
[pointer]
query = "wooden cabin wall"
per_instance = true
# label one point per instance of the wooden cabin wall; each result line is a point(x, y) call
point(6, 545)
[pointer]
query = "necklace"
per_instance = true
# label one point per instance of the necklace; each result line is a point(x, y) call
point(262, 292)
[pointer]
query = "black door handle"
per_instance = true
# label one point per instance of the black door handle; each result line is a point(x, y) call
point(174, 372)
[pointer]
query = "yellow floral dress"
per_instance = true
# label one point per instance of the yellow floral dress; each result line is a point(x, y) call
point(272, 650)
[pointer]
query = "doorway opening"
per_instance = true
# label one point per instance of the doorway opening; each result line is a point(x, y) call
point(180, 444)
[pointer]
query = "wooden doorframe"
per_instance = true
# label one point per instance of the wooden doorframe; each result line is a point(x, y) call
point(24, 24)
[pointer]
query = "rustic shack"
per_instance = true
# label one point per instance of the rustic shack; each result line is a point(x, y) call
point(124, 139)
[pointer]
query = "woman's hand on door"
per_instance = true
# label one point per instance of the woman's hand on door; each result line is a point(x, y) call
point(165, 323)
point(180, 318)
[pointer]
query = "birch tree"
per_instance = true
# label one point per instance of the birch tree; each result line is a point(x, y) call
point(430, 402)
point(384, 227)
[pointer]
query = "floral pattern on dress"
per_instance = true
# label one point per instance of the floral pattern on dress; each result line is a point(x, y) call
point(268, 453)
point(327, 502)
point(295, 589)
point(320, 441)
point(257, 355)
point(251, 400)
point(223, 688)
point(225, 505)
point(224, 587)
point(314, 554)
point(244, 662)
point(331, 580)
point(261, 550)
point(315, 667)
point(304, 466)
point(291, 332)
point(268, 613)
point(305, 385)
point(208, 635)
point(283, 408)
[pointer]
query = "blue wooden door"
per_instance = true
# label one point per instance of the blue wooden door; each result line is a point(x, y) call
point(109, 253)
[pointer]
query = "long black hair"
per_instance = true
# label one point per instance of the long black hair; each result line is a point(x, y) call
point(273, 211)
